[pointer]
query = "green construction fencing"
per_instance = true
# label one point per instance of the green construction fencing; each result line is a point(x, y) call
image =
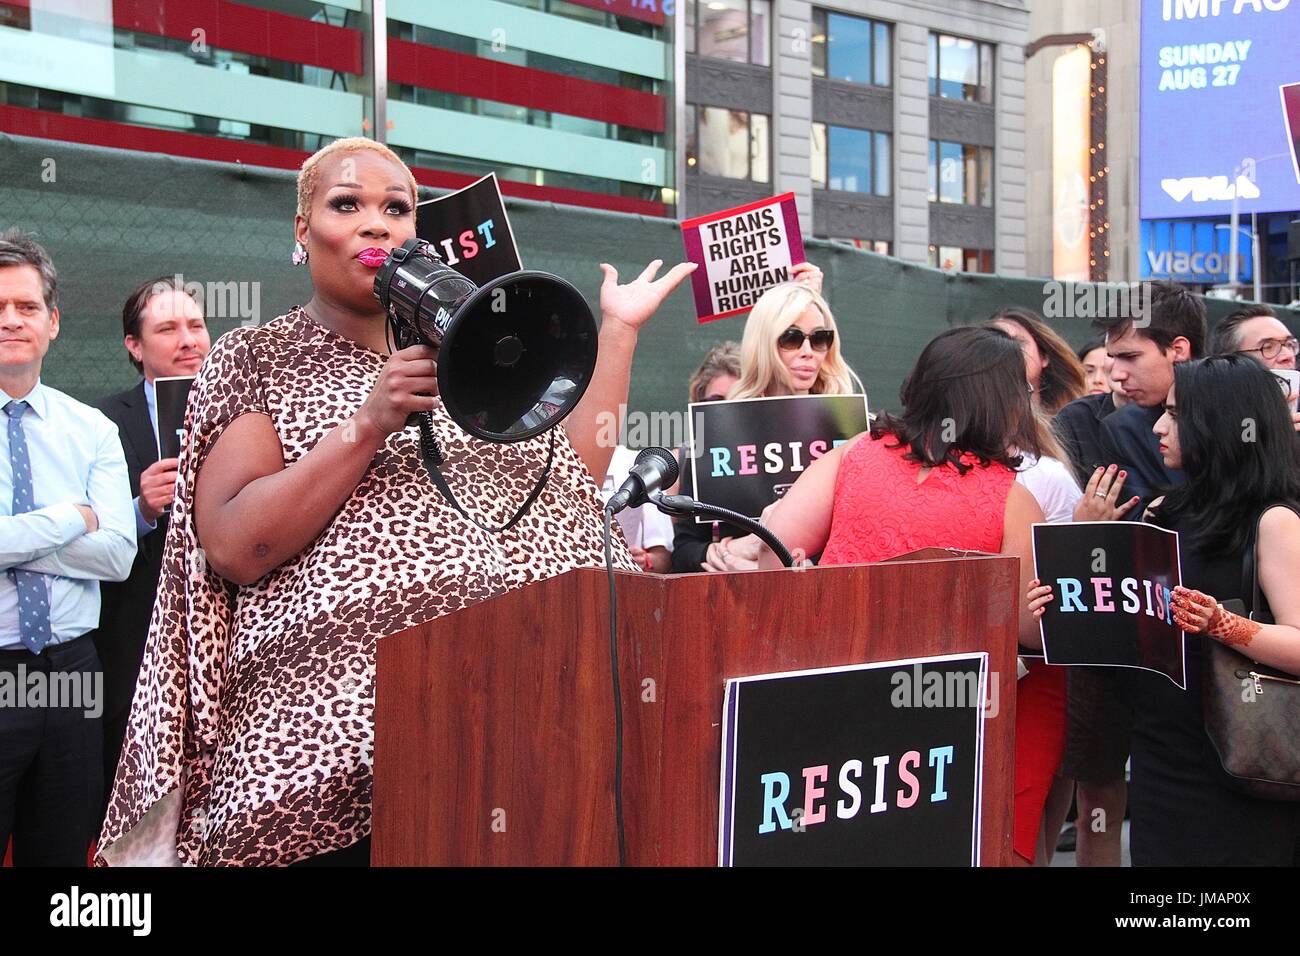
point(112, 219)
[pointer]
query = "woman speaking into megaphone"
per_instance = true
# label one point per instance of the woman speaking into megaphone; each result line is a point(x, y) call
point(306, 526)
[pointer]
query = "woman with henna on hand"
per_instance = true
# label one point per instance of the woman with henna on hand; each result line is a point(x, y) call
point(1226, 425)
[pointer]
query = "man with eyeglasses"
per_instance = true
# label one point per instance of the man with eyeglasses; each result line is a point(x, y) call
point(1256, 331)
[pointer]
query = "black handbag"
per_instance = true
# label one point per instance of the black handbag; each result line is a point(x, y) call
point(1252, 712)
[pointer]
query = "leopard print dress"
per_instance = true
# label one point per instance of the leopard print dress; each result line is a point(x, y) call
point(251, 734)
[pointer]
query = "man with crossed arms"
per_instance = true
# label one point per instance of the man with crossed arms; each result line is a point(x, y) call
point(66, 524)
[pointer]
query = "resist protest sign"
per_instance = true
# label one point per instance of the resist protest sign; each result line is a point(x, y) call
point(747, 453)
point(871, 764)
point(1111, 584)
point(742, 253)
point(469, 229)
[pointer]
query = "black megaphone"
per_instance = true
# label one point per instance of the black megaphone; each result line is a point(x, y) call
point(514, 355)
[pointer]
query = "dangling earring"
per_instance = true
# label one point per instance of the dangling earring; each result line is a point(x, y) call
point(299, 254)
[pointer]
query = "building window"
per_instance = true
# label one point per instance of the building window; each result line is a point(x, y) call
point(851, 49)
point(426, 36)
point(729, 143)
point(957, 259)
point(961, 174)
point(851, 160)
point(738, 30)
point(758, 155)
point(880, 246)
point(961, 69)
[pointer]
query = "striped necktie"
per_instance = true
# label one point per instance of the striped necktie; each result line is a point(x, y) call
point(33, 599)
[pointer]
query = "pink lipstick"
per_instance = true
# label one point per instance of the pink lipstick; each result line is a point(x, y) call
point(374, 258)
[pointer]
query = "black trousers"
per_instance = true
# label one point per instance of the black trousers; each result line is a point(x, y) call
point(51, 757)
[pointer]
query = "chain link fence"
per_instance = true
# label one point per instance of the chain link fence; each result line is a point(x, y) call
point(112, 219)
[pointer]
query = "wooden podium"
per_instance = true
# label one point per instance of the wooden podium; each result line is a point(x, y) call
point(494, 726)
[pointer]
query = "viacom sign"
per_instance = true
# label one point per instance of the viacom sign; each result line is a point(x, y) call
point(1192, 251)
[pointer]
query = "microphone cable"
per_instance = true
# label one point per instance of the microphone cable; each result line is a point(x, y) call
point(619, 822)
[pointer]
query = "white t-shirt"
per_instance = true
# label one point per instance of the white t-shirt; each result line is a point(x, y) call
point(645, 527)
point(1053, 486)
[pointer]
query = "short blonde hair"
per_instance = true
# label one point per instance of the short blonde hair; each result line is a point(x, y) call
point(310, 171)
point(762, 373)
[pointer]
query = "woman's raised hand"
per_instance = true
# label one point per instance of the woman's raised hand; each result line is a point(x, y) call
point(807, 274)
point(632, 304)
point(408, 383)
point(1100, 501)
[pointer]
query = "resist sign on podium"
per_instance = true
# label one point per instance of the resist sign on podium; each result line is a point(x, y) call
point(868, 765)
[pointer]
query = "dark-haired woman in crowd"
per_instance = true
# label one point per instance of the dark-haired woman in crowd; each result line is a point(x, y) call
point(940, 474)
point(1183, 813)
point(1055, 379)
point(1050, 364)
point(1096, 371)
point(1092, 356)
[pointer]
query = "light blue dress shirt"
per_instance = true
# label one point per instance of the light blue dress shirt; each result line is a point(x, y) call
point(143, 527)
point(76, 459)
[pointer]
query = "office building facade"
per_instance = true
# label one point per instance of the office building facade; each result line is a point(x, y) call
point(898, 125)
point(567, 100)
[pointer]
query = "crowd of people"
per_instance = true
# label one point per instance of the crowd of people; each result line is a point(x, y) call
point(236, 636)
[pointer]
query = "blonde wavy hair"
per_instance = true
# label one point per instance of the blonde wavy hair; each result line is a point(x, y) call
point(309, 174)
point(762, 373)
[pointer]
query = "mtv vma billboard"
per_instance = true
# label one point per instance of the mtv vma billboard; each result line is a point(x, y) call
point(1211, 73)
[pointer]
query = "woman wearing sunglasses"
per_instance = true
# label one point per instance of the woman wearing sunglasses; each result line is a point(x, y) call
point(790, 347)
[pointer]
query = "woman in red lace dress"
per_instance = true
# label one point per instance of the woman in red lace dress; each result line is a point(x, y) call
point(940, 475)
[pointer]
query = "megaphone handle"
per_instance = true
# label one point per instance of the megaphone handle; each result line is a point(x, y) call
point(430, 450)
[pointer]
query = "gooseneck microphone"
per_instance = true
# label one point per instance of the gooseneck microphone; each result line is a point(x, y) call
point(654, 469)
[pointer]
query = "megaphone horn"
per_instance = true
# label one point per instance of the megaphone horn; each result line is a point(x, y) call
point(515, 355)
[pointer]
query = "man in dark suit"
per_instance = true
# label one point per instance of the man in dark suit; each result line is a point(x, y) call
point(166, 336)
